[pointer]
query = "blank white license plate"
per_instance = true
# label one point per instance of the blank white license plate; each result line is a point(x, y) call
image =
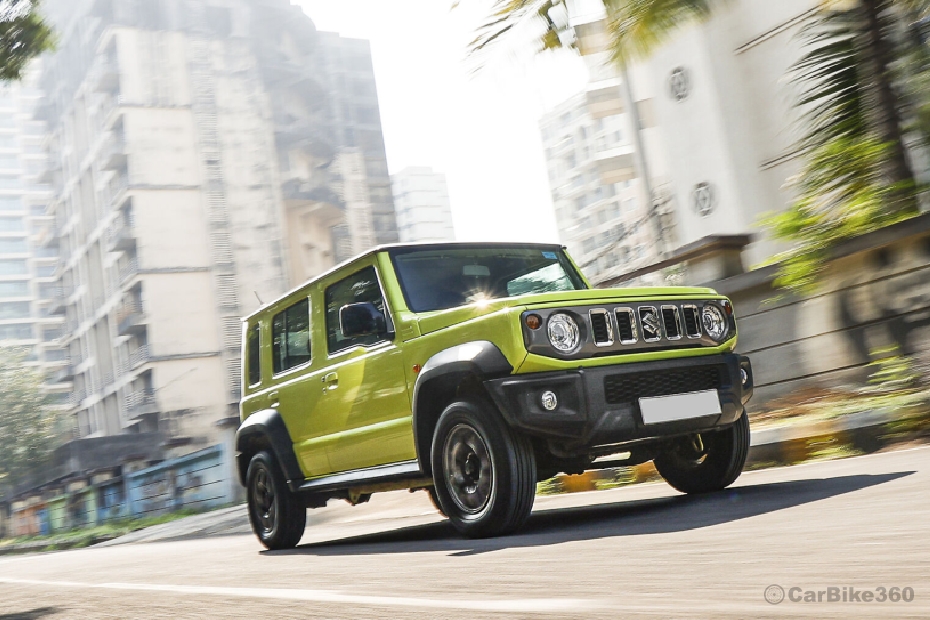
point(657, 409)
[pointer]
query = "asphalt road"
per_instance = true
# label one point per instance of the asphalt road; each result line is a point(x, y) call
point(642, 551)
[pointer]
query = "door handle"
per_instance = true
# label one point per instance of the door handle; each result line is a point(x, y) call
point(330, 381)
point(275, 399)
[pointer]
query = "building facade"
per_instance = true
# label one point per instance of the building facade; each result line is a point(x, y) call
point(28, 248)
point(200, 173)
point(717, 125)
point(421, 198)
point(596, 192)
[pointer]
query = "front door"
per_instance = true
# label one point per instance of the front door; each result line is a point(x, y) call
point(364, 399)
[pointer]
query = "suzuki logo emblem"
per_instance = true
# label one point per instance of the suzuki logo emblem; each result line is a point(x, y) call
point(651, 322)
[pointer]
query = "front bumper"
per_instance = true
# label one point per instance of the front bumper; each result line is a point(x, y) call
point(600, 405)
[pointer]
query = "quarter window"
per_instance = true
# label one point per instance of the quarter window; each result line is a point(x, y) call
point(254, 354)
point(290, 336)
point(358, 288)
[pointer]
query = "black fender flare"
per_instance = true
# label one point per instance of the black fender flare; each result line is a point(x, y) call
point(267, 429)
point(481, 359)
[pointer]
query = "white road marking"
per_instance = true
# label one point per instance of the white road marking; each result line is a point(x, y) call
point(526, 605)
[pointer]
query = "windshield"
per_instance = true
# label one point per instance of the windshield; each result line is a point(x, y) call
point(435, 279)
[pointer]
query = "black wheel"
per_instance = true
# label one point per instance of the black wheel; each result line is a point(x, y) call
point(434, 500)
point(277, 515)
point(706, 462)
point(484, 473)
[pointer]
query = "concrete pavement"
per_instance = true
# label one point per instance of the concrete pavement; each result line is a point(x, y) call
point(642, 551)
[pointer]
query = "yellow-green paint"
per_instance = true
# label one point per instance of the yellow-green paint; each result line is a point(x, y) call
point(367, 419)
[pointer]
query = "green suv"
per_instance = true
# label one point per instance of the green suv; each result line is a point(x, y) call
point(472, 371)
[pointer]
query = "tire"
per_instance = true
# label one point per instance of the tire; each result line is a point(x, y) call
point(277, 515)
point(484, 473)
point(694, 468)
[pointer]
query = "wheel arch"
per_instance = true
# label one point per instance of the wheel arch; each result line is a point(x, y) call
point(266, 430)
point(443, 377)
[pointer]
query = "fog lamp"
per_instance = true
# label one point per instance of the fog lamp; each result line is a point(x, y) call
point(548, 400)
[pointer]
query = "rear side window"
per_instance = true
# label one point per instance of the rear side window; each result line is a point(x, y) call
point(290, 336)
point(254, 356)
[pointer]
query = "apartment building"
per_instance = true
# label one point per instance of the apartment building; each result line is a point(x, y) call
point(717, 125)
point(28, 252)
point(421, 199)
point(599, 207)
point(199, 177)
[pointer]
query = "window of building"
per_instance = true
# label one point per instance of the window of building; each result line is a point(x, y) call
point(360, 287)
point(13, 267)
point(13, 246)
point(10, 181)
point(14, 289)
point(254, 354)
point(45, 271)
point(9, 162)
point(629, 205)
point(11, 224)
point(16, 332)
point(11, 203)
point(14, 310)
point(290, 336)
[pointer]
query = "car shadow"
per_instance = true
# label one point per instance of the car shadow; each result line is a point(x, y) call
point(649, 516)
point(34, 614)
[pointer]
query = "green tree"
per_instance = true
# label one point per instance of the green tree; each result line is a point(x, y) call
point(23, 36)
point(864, 77)
point(28, 422)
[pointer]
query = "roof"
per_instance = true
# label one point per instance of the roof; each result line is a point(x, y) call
point(401, 246)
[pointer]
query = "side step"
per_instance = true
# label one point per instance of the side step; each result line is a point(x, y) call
point(366, 477)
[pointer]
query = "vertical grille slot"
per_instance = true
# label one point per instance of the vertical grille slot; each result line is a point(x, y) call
point(672, 322)
point(651, 323)
point(600, 328)
point(692, 321)
point(626, 326)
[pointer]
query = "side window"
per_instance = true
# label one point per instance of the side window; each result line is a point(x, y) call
point(358, 288)
point(254, 354)
point(290, 336)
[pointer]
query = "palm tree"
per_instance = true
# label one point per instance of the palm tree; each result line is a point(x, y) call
point(859, 110)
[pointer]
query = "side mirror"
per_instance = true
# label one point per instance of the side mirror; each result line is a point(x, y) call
point(362, 319)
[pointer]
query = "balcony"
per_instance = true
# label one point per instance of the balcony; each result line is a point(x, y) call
point(130, 319)
point(48, 173)
point(605, 99)
point(77, 397)
point(616, 165)
point(113, 152)
point(140, 356)
point(140, 403)
point(121, 237)
point(104, 76)
point(128, 271)
point(49, 238)
point(64, 374)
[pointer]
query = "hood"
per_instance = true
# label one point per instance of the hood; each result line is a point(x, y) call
point(440, 319)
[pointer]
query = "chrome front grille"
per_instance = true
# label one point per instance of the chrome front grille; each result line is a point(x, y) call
point(600, 327)
point(672, 322)
point(626, 325)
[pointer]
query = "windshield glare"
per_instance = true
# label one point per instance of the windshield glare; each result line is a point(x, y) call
point(436, 279)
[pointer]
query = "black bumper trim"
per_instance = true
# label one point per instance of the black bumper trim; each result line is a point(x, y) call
point(585, 417)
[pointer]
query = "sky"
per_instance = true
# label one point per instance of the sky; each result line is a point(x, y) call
point(480, 129)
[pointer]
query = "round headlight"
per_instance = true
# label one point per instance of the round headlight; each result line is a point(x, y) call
point(715, 322)
point(564, 334)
